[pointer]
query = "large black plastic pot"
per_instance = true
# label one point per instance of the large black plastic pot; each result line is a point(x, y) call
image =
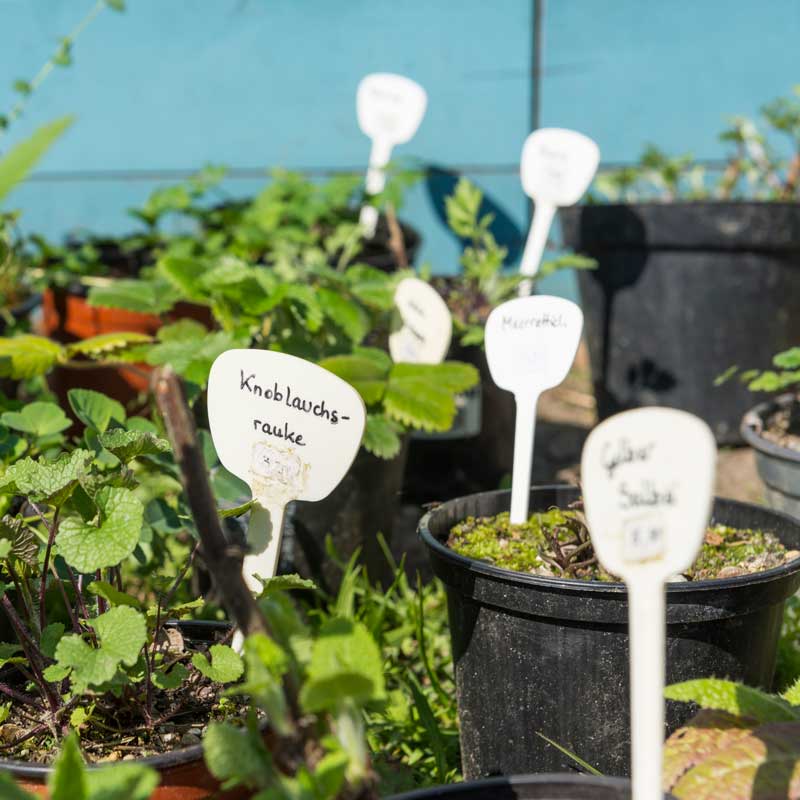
point(682, 292)
point(546, 655)
point(528, 787)
point(778, 467)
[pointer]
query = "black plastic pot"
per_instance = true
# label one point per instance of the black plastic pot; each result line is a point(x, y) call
point(682, 292)
point(183, 773)
point(528, 787)
point(20, 311)
point(778, 467)
point(547, 655)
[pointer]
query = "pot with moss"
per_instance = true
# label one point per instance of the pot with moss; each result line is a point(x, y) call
point(539, 632)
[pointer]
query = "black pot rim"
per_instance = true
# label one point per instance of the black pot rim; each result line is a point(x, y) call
point(758, 416)
point(26, 306)
point(553, 778)
point(721, 204)
point(601, 588)
point(161, 761)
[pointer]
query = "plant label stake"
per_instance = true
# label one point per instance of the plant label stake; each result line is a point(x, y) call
point(556, 168)
point(648, 479)
point(389, 108)
point(530, 346)
point(289, 429)
point(424, 337)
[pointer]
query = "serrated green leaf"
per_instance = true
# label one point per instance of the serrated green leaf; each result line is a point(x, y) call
point(122, 781)
point(94, 409)
point(142, 296)
point(418, 403)
point(348, 315)
point(68, 779)
point(235, 755)
point(50, 482)
point(38, 419)
point(112, 594)
point(226, 664)
point(23, 357)
point(106, 344)
point(127, 445)
point(87, 547)
point(18, 540)
point(172, 679)
point(285, 583)
point(735, 698)
point(50, 638)
point(788, 359)
point(381, 436)
point(454, 376)
point(362, 373)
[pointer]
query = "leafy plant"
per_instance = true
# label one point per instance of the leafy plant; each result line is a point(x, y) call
point(483, 283)
point(753, 168)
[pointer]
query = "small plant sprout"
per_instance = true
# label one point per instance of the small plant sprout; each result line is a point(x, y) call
point(390, 108)
point(557, 167)
point(530, 346)
point(288, 428)
point(648, 478)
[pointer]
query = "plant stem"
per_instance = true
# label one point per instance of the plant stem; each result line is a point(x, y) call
point(19, 697)
point(53, 527)
point(73, 618)
point(102, 606)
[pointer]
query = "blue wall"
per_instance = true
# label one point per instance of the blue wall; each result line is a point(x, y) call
point(173, 84)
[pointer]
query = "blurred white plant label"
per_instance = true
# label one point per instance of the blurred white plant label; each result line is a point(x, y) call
point(283, 425)
point(390, 107)
point(648, 478)
point(531, 342)
point(424, 337)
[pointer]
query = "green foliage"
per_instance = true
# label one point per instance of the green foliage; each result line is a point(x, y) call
point(27, 356)
point(39, 419)
point(95, 410)
point(785, 378)
point(226, 665)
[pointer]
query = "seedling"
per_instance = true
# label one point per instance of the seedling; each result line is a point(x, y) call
point(390, 109)
point(557, 167)
point(288, 428)
point(530, 346)
point(424, 337)
point(648, 478)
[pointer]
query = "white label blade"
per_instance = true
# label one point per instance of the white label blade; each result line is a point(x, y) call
point(427, 328)
point(390, 107)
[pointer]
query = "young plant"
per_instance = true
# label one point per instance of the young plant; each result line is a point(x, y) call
point(483, 283)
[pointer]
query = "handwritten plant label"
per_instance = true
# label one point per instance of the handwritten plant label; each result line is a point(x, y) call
point(390, 109)
point(556, 168)
point(424, 337)
point(648, 478)
point(286, 427)
point(531, 343)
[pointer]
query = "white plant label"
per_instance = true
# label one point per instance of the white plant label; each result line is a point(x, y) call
point(424, 337)
point(556, 168)
point(531, 343)
point(289, 429)
point(648, 481)
point(390, 109)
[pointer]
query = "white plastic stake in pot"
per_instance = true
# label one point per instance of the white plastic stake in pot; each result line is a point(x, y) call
point(648, 480)
point(557, 167)
point(530, 346)
point(424, 337)
point(289, 429)
point(390, 108)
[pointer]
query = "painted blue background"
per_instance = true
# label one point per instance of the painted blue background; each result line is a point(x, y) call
point(173, 84)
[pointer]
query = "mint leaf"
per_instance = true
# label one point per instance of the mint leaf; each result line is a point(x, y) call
point(94, 409)
point(68, 779)
point(23, 357)
point(87, 547)
point(127, 445)
point(38, 419)
point(226, 665)
point(51, 482)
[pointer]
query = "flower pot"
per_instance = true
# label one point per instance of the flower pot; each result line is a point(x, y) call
point(778, 467)
point(364, 504)
point(67, 317)
point(183, 773)
point(682, 292)
point(547, 655)
point(528, 787)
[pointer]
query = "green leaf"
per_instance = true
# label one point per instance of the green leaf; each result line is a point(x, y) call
point(226, 665)
point(788, 359)
point(454, 376)
point(19, 541)
point(94, 409)
point(8, 654)
point(172, 679)
point(23, 157)
point(87, 547)
point(106, 343)
point(38, 419)
point(735, 698)
point(50, 482)
point(122, 781)
point(127, 445)
point(51, 635)
point(349, 316)
point(419, 403)
point(116, 5)
point(381, 436)
point(362, 373)
point(113, 595)
point(285, 583)
point(135, 294)
point(345, 663)
point(236, 755)
point(68, 779)
point(10, 791)
point(22, 86)
point(23, 357)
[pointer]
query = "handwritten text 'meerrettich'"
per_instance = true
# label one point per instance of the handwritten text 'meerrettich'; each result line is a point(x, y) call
point(284, 394)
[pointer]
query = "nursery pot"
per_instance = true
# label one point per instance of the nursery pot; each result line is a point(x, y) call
point(20, 311)
point(682, 292)
point(547, 655)
point(529, 787)
point(778, 467)
point(364, 504)
point(183, 773)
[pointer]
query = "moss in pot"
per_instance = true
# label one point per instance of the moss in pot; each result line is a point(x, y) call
point(540, 654)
